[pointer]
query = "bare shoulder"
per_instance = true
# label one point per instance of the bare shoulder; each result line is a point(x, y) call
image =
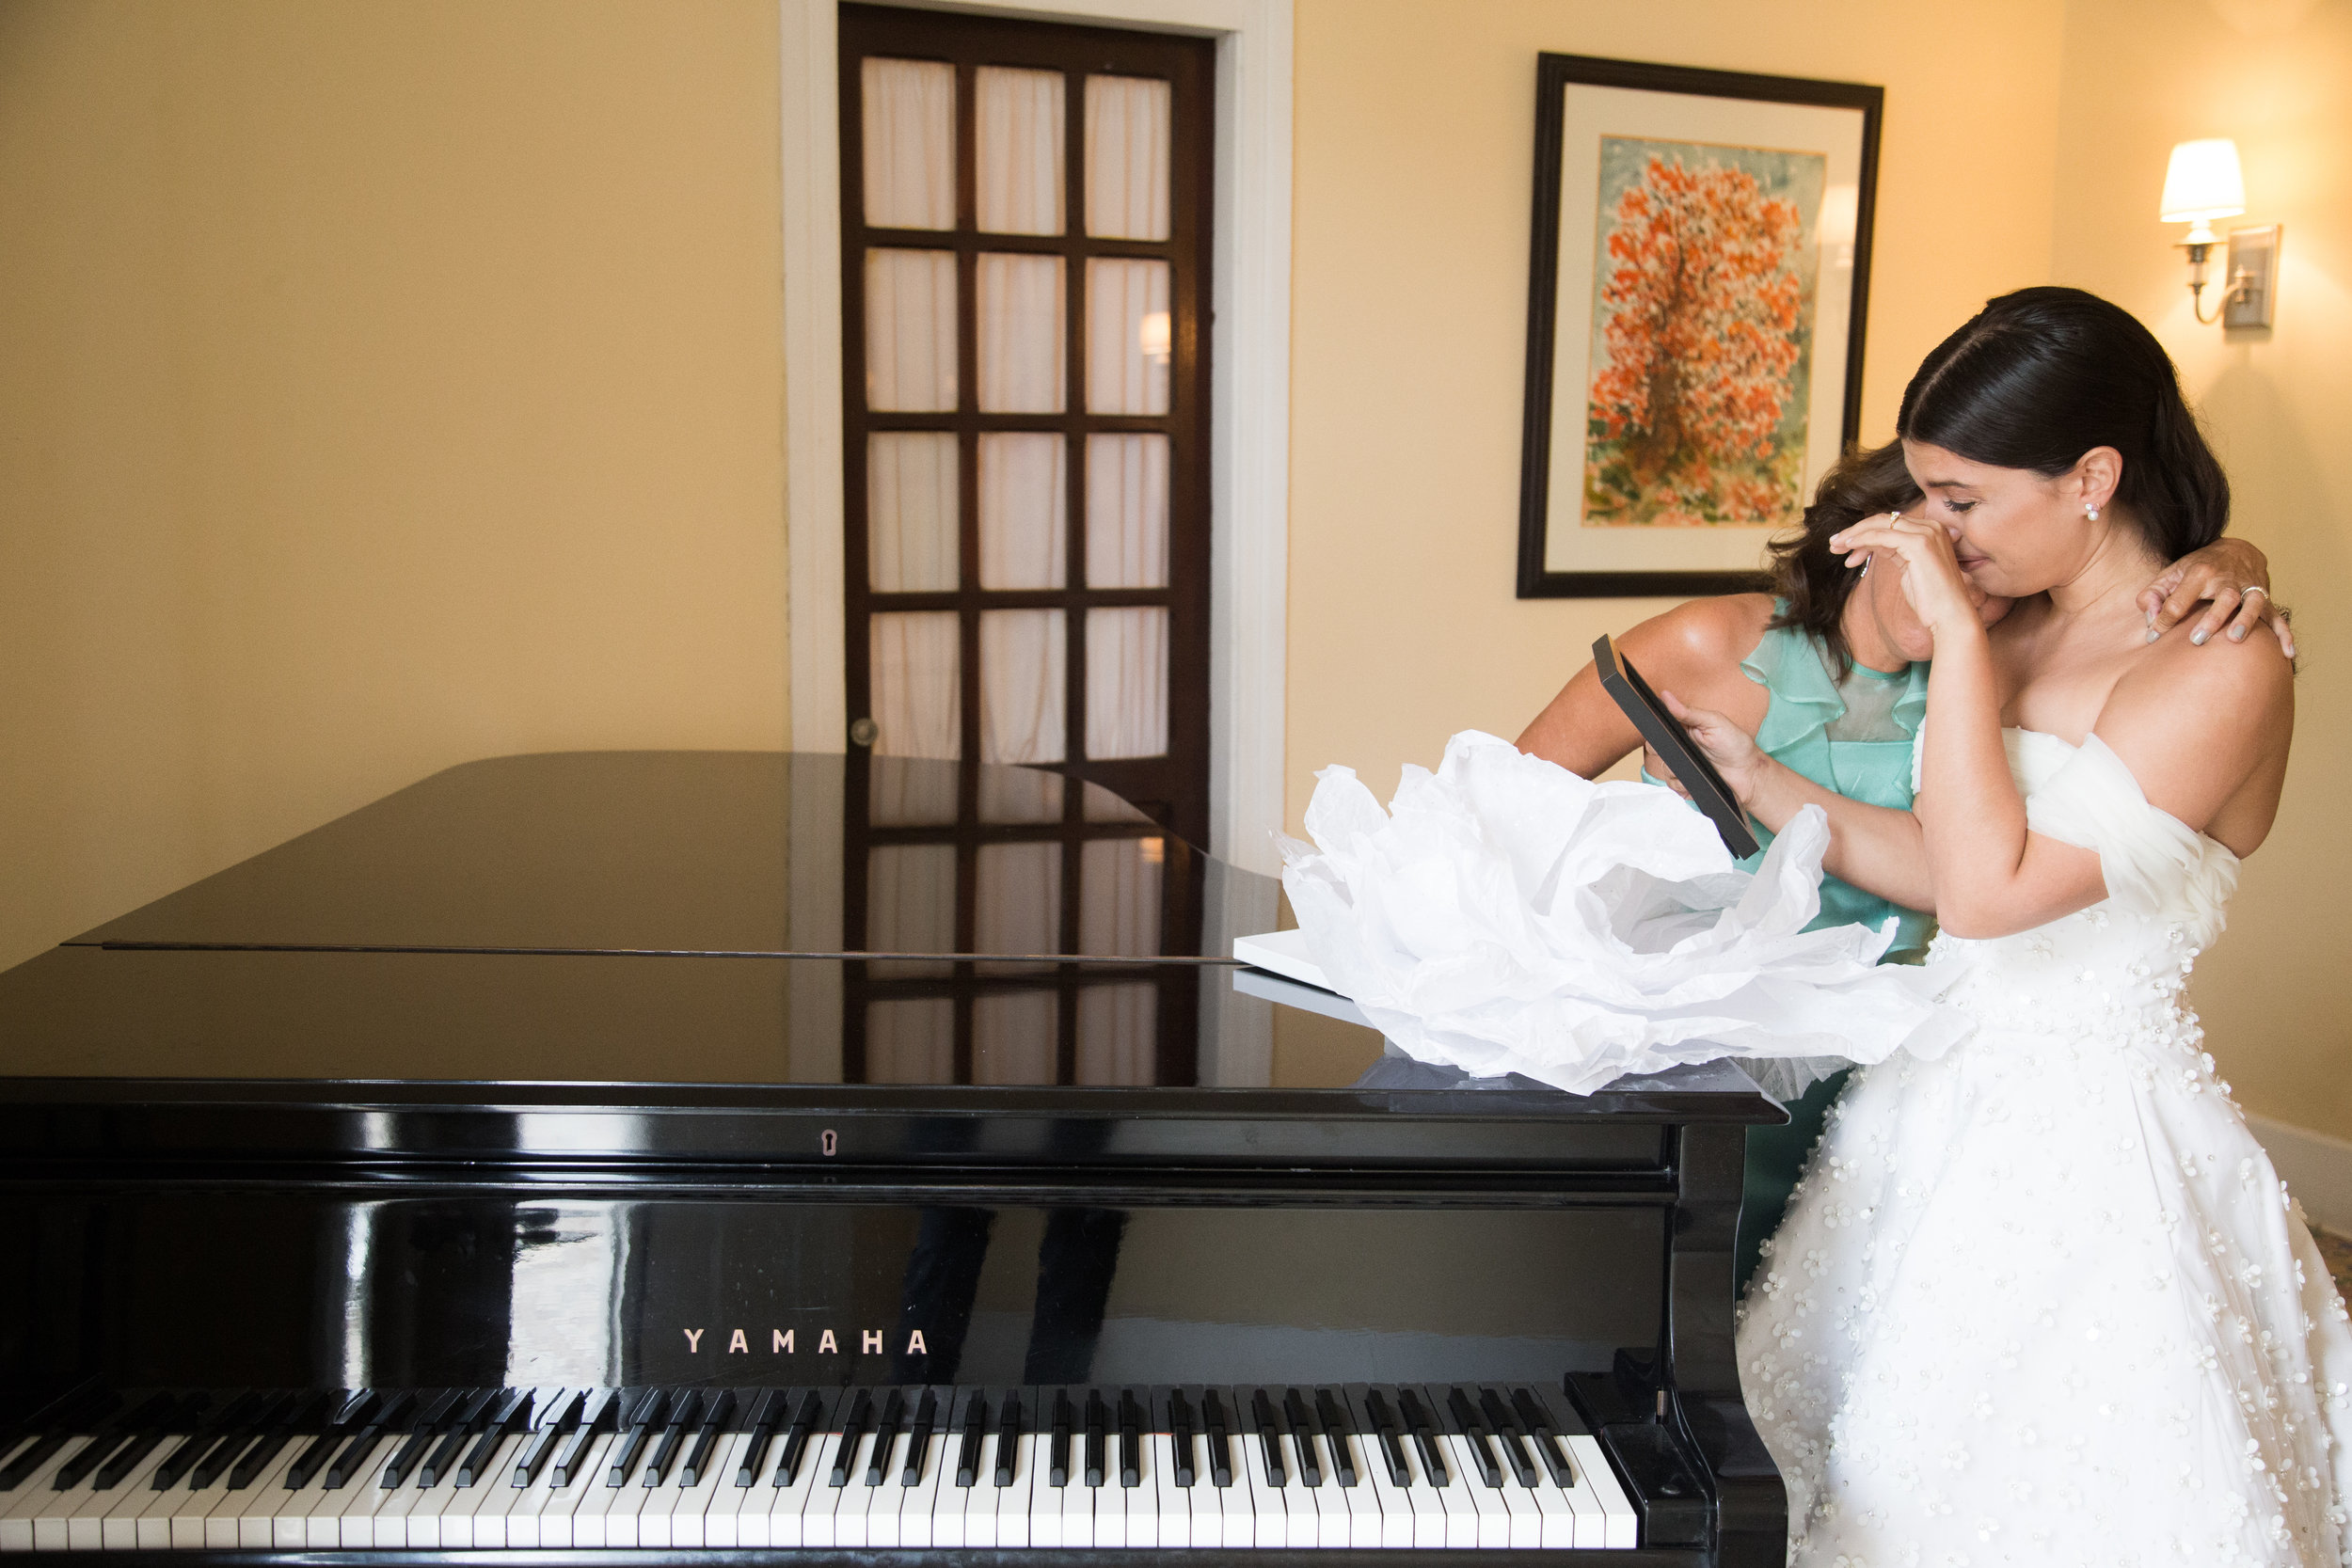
point(1701, 634)
point(2251, 681)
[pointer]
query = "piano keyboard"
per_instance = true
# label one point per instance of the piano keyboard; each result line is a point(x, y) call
point(1379, 1466)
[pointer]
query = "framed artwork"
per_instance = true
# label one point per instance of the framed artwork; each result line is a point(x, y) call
point(1700, 268)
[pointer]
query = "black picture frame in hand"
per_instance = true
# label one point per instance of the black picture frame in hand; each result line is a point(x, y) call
point(1668, 434)
point(1665, 735)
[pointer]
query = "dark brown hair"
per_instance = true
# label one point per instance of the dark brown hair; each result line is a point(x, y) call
point(1811, 582)
point(2042, 376)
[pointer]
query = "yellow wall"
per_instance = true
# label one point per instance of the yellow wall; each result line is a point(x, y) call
point(2277, 77)
point(1414, 167)
point(382, 386)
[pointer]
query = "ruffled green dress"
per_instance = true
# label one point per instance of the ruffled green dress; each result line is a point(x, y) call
point(1853, 736)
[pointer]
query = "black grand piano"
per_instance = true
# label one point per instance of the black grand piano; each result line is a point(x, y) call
point(655, 1155)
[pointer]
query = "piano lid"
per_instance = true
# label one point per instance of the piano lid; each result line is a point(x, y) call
point(726, 852)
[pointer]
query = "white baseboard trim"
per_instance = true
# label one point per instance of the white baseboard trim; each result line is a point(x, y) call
point(2316, 1169)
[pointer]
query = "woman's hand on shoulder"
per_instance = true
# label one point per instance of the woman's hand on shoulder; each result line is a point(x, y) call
point(2232, 580)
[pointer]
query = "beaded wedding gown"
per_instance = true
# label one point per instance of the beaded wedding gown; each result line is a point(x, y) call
point(2044, 1300)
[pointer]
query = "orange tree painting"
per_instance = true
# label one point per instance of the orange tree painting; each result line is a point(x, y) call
point(1702, 333)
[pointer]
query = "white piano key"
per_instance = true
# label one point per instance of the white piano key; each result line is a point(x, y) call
point(438, 1516)
point(1558, 1531)
point(117, 1521)
point(1395, 1503)
point(559, 1519)
point(1302, 1504)
point(1455, 1503)
point(369, 1498)
point(491, 1498)
point(1171, 1515)
point(951, 1506)
point(19, 1507)
point(690, 1506)
point(52, 1510)
point(1016, 1505)
point(1269, 1523)
point(791, 1508)
point(291, 1518)
point(526, 1525)
point(721, 1518)
point(1055, 1512)
point(243, 1519)
point(1526, 1518)
point(628, 1504)
point(1493, 1514)
point(853, 1515)
point(1360, 1501)
point(919, 1504)
point(1621, 1525)
point(1236, 1504)
point(823, 1499)
point(1121, 1513)
point(150, 1525)
point(879, 1503)
point(984, 1507)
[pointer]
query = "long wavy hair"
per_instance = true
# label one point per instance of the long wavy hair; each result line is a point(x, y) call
point(1812, 583)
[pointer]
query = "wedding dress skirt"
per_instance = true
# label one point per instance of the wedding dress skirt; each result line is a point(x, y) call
point(2044, 1300)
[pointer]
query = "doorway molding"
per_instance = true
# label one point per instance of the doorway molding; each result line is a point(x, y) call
point(1249, 371)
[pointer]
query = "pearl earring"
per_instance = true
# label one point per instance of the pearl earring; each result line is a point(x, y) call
point(2089, 512)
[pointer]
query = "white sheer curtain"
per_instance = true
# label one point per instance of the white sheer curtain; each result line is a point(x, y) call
point(914, 662)
point(1127, 157)
point(1018, 146)
point(911, 495)
point(910, 136)
point(1127, 341)
point(1126, 511)
point(911, 331)
point(1025, 509)
point(1127, 682)
point(1019, 321)
point(1022, 657)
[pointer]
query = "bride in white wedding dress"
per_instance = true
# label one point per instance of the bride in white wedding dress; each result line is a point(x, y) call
point(2044, 1300)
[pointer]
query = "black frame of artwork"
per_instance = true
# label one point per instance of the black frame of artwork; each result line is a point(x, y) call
point(1554, 76)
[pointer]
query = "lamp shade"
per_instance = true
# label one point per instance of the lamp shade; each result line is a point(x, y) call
point(2204, 182)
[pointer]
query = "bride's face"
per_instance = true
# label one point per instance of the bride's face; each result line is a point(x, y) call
point(1879, 597)
point(2014, 531)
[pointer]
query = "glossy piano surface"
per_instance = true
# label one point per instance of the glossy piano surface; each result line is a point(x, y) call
point(552, 1072)
point(726, 852)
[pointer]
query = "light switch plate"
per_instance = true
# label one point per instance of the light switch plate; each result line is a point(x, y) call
point(2254, 262)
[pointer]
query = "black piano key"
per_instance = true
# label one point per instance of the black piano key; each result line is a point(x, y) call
point(432, 1415)
point(215, 1429)
point(1302, 1425)
point(706, 1442)
point(969, 1439)
point(629, 1447)
point(13, 1474)
point(561, 1421)
point(110, 1438)
point(885, 1435)
point(1180, 1436)
point(679, 1422)
point(604, 1416)
point(145, 1438)
point(1384, 1429)
point(919, 1439)
point(1545, 1434)
point(853, 1428)
point(508, 1417)
point(1269, 1431)
point(351, 1417)
point(1474, 1436)
point(1007, 1437)
point(1425, 1430)
point(1097, 1420)
point(1058, 1456)
point(1130, 1439)
point(1337, 1430)
point(1219, 1438)
point(264, 1449)
point(458, 1430)
point(1506, 1433)
point(797, 1437)
point(354, 1455)
point(768, 1416)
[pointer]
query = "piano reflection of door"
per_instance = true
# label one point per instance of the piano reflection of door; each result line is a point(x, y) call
point(1024, 286)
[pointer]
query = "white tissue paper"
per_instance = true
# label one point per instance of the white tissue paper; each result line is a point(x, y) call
point(1505, 915)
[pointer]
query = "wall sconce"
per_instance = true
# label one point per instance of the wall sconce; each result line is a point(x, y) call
point(2203, 183)
point(1154, 337)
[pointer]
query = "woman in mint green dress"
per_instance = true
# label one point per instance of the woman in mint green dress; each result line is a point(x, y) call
point(1828, 672)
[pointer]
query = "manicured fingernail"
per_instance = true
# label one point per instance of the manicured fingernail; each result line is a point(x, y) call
point(2197, 639)
point(2153, 634)
point(2238, 634)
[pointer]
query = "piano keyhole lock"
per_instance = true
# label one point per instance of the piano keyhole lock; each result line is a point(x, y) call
point(830, 1142)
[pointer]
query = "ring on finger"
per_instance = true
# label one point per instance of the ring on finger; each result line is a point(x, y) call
point(2250, 591)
